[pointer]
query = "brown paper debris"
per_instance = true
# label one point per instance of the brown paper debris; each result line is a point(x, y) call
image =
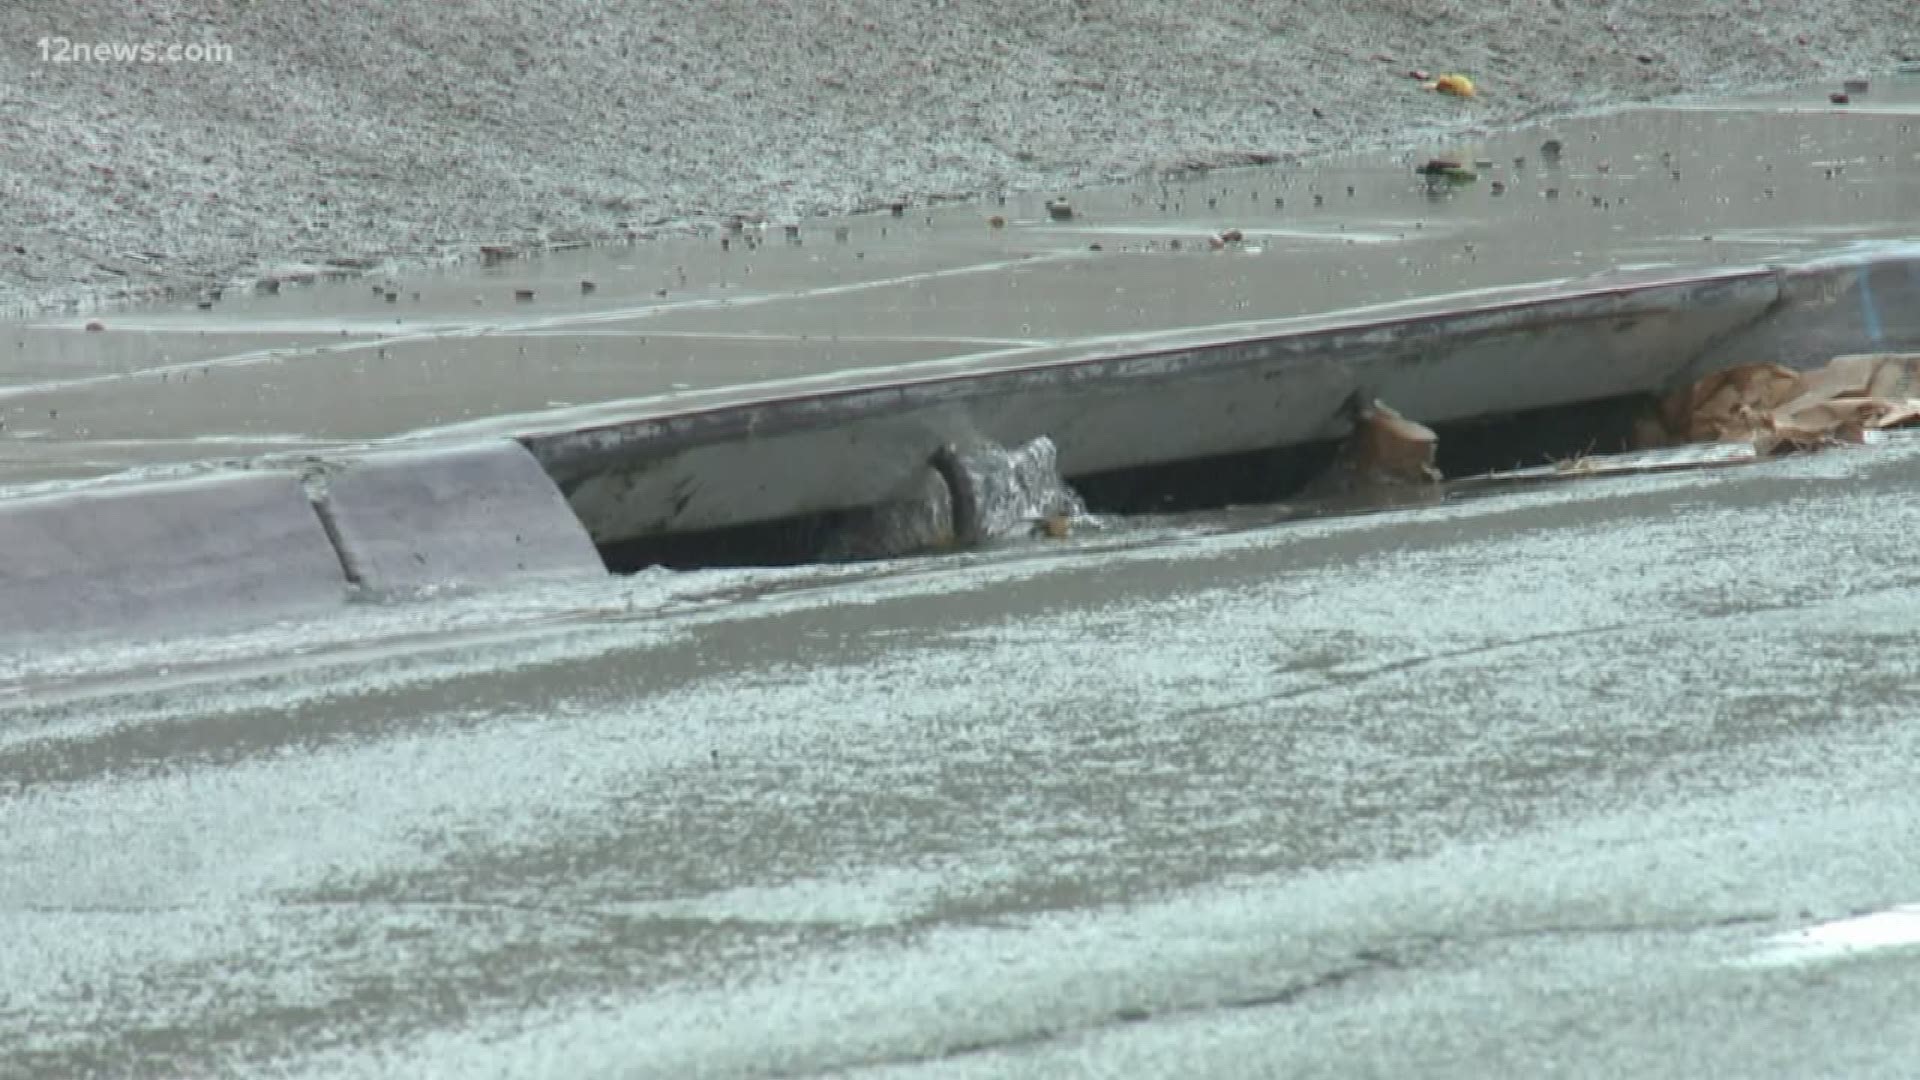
point(1778, 409)
point(1384, 450)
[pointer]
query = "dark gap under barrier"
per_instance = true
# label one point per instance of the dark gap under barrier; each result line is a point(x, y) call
point(1539, 437)
point(1207, 483)
point(792, 541)
point(1466, 449)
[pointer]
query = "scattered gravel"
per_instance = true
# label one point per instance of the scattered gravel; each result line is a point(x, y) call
point(376, 130)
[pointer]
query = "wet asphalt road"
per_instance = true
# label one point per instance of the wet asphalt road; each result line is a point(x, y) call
point(1516, 786)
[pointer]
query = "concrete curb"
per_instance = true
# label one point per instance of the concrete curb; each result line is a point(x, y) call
point(413, 519)
point(251, 546)
point(256, 545)
point(164, 556)
point(840, 449)
point(1828, 308)
point(775, 454)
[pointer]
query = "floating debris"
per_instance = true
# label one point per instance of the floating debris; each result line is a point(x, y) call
point(587, 287)
point(1054, 526)
point(1778, 409)
point(1444, 169)
point(996, 222)
point(1060, 210)
point(1383, 450)
point(95, 326)
point(523, 295)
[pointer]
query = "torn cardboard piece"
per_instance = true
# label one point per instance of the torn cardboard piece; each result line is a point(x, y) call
point(1384, 450)
point(1778, 409)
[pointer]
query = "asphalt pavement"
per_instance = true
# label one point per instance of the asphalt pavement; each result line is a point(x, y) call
point(1603, 777)
point(1556, 782)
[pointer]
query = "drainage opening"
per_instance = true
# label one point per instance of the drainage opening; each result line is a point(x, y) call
point(1465, 449)
point(1539, 437)
point(790, 541)
point(1207, 483)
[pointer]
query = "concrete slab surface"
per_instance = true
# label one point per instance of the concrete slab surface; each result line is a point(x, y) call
point(163, 557)
point(407, 521)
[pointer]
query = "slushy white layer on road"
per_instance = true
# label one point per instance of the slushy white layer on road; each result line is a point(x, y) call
point(988, 801)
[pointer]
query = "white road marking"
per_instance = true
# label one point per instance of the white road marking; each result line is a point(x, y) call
point(1843, 939)
point(910, 372)
point(833, 339)
point(1191, 231)
point(447, 331)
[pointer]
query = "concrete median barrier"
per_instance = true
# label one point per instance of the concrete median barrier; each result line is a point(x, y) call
point(163, 556)
point(413, 519)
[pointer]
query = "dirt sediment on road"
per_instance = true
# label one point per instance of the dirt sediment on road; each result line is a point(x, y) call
point(416, 131)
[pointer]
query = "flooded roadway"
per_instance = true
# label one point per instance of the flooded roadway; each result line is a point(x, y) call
point(1586, 780)
point(1530, 784)
point(677, 324)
